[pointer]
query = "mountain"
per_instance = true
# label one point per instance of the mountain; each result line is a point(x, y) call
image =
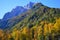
point(13, 17)
point(29, 6)
point(38, 13)
point(17, 11)
point(37, 23)
point(12, 21)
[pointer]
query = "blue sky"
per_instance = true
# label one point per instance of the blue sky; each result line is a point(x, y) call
point(8, 5)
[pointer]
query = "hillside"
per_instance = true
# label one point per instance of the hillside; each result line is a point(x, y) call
point(39, 13)
point(38, 23)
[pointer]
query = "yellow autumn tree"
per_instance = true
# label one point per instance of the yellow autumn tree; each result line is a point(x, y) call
point(34, 32)
point(27, 33)
point(16, 34)
point(1, 35)
point(57, 26)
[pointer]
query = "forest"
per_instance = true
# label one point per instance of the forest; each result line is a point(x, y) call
point(43, 31)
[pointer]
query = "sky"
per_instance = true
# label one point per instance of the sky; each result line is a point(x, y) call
point(8, 5)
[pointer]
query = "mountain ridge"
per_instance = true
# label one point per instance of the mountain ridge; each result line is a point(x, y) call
point(17, 11)
point(38, 13)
